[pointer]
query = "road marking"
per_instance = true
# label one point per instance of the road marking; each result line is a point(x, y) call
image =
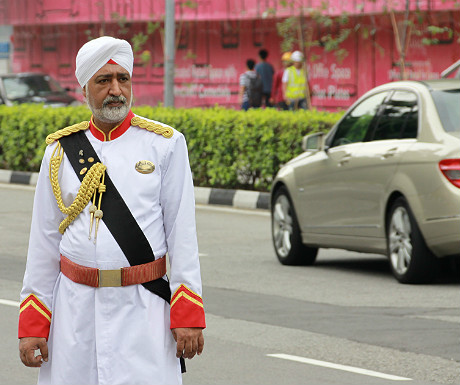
point(9, 303)
point(346, 368)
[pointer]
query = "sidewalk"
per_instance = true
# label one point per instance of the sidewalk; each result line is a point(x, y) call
point(242, 199)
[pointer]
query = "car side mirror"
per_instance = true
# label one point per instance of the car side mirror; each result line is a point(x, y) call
point(313, 142)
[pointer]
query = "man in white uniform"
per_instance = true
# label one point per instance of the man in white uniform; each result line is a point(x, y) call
point(95, 294)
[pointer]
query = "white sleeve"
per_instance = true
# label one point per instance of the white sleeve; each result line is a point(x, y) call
point(42, 267)
point(178, 205)
point(244, 80)
point(285, 78)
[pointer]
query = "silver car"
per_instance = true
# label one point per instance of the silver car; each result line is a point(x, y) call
point(385, 179)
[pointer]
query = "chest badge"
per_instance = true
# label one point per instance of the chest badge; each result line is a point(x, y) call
point(145, 167)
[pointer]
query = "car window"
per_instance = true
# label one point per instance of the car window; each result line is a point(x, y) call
point(35, 85)
point(398, 118)
point(355, 124)
point(448, 102)
point(15, 89)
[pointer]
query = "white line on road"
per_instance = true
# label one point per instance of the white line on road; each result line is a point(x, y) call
point(9, 303)
point(339, 367)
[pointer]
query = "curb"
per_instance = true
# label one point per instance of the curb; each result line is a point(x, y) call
point(242, 199)
point(19, 177)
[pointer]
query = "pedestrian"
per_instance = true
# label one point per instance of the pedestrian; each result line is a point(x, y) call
point(294, 87)
point(250, 93)
point(266, 72)
point(277, 91)
point(114, 195)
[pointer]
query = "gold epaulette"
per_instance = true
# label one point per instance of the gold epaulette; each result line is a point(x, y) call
point(159, 129)
point(67, 131)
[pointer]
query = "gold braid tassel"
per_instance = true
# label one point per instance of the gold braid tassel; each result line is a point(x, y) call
point(98, 213)
point(92, 210)
point(88, 187)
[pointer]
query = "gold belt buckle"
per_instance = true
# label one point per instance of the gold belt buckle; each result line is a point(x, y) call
point(110, 278)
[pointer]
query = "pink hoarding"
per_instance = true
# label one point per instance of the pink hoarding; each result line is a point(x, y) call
point(215, 38)
point(82, 11)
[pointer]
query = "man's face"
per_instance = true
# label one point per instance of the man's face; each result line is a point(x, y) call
point(109, 93)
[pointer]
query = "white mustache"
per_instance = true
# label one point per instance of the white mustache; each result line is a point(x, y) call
point(114, 99)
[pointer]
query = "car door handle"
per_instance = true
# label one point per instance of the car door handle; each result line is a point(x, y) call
point(345, 159)
point(390, 152)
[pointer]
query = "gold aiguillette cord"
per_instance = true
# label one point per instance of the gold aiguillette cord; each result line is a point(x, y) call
point(96, 212)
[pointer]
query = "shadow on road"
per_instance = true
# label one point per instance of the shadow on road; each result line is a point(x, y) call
point(448, 270)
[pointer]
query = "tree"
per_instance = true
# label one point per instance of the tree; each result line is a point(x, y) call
point(298, 30)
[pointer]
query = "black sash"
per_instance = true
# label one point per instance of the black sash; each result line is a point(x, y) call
point(117, 216)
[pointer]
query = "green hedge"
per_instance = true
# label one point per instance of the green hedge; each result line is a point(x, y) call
point(227, 148)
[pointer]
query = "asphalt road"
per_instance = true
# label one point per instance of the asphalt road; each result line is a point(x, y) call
point(344, 320)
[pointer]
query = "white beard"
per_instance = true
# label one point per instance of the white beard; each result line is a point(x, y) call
point(110, 114)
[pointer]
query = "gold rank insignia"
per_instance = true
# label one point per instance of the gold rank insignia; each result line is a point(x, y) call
point(67, 131)
point(159, 129)
point(145, 167)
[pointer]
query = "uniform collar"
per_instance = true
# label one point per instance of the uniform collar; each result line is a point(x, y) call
point(115, 132)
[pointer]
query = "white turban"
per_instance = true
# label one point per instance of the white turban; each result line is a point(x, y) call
point(96, 53)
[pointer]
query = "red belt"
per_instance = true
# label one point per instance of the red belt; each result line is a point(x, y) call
point(124, 276)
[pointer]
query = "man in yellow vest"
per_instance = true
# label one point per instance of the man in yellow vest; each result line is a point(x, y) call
point(294, 89)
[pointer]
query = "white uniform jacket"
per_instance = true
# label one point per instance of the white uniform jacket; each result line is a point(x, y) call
point(114, 335)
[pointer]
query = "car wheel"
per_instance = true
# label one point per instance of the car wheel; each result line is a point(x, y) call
point(286, 233)
point(410, 259)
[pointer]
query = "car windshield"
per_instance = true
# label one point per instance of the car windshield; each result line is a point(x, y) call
point(447, 103)
point(26, 86)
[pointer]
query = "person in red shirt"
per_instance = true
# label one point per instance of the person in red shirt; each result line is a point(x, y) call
point(277, 98)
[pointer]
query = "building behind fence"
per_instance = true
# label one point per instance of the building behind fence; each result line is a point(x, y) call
point(215, 37)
